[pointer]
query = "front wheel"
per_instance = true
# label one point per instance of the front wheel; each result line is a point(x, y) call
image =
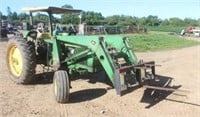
point(61, 86)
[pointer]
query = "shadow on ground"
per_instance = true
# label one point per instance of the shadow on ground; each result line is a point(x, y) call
point(43, 78)
point(86, 95)
point(47, 78)
point(154, 96)
point(150, 96)
point(93, 77)
point(77, 96)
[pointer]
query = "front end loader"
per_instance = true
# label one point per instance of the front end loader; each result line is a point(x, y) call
point(67, 54)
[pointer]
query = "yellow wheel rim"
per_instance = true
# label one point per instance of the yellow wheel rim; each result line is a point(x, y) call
point(15, 61)
point(55, 87)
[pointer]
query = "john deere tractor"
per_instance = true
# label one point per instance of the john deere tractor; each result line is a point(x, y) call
point(67, 54)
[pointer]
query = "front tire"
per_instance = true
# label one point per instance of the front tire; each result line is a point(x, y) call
point(21, 60)
point(61, 86)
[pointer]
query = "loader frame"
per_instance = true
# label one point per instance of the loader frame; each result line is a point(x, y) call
point(81, 53)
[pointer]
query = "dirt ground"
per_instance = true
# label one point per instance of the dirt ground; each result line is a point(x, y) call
point(94, 99)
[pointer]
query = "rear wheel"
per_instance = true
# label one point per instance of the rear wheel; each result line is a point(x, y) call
point(21, 60)
point(61, 86)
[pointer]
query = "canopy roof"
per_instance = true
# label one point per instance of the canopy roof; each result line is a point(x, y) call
point(50, 9)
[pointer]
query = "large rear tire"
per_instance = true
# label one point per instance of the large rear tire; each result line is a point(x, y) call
point(21, 60)
point(61, 86)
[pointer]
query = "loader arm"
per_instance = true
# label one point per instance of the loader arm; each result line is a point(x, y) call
point(108, 51)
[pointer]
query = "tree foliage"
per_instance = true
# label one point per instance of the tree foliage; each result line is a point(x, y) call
point(95, 18)
point(41, 18)
point(69, 18)
point(92, 18)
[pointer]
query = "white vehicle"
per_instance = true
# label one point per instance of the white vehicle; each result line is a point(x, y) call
point(196, 32)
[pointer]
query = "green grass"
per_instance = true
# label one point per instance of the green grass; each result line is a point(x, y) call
point(176, 29)
point(158, 41)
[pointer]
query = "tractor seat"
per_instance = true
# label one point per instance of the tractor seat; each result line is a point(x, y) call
point(44, 36)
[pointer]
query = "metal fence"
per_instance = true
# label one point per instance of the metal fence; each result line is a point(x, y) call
point(96, 30)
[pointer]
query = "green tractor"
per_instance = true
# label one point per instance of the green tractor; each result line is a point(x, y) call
point(67, 54)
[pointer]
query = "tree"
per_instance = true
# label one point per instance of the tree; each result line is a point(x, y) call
point(9, 16)
point(1, 15)
point(9, 10)
point(14, 16)
point(95, 18)
point(92, 18)
point(126, 20)
point(41, 18)
point(112, 20)
point(69, 18)
point(67, 6)
point(153, 20)
point(176, 22)
point(142, 21)
point(23, 17)
point(165, 22)
point(191, 22)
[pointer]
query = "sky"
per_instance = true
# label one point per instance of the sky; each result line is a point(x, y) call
point(139, 8)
